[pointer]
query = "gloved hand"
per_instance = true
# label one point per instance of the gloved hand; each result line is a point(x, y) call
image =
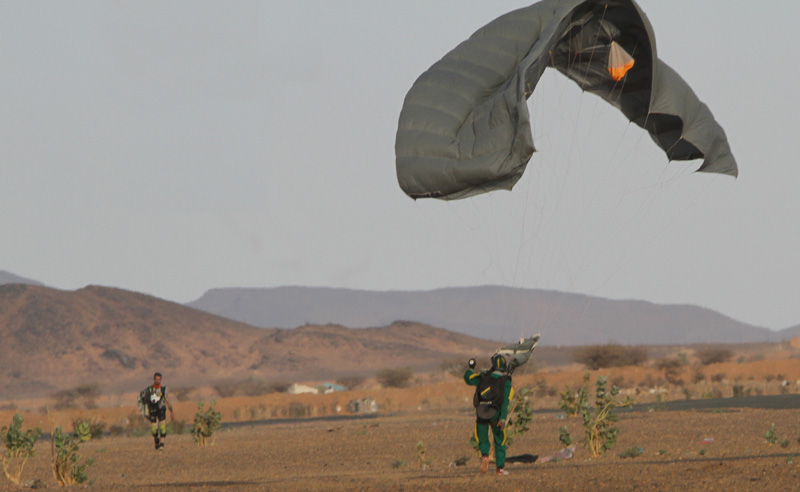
point(471, 363)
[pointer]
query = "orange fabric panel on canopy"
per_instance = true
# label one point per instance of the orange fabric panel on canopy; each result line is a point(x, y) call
point(619, 61)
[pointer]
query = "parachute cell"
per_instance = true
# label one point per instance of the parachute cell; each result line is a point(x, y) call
point(464, 128)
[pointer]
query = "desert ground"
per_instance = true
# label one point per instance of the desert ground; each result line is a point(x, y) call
point(311, 442)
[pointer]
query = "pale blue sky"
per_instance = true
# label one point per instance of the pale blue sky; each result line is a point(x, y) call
point(173, 147)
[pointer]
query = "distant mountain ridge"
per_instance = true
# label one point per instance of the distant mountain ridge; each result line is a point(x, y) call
point(10, 278)
point(495, 312)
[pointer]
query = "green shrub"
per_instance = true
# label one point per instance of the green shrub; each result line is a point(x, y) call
point(597, 423)
point(572, 401)
point(97, 428)
point(65, 460)
point(19, 446)
point(564, 437)
point(633, 452)
point(770, 436)
point(206, 423)
point(520, 415)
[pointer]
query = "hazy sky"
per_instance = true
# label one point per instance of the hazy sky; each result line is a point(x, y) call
point(173, 147)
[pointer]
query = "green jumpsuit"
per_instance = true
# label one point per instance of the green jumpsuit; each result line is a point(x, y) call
point(482, 430)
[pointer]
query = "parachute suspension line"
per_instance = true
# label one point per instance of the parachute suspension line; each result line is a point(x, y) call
point(668, 223)
point(596, 39)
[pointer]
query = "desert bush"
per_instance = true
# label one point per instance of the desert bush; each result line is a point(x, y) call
point(770, 435)
point(85, 394)
point(672, 370)
point(136, 424)
point(563, 436)
point(698, 376)
point(520, 414)
point(350, 382)
point(422, 460)
point(714, 355)
point(182, 393)
point(610, 355)
point(255, 387)
point(65, 460)
point(572, 401)
point(116, 430)
point(96, 427)
point(632, 452)
point(8, 406)
point(600, 434)
point(717, 378)
point(298, 410)
point(19, 446)
point(395, 377)
point(280, 386)
point(453, 367)
point(206, 423)
point(226, 389)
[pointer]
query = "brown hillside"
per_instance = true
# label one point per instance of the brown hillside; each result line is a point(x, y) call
point(53, 339)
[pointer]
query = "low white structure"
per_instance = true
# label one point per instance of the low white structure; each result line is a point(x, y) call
point(297, 389)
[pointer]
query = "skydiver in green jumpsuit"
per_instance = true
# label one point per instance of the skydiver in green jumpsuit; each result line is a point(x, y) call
point(491, 414)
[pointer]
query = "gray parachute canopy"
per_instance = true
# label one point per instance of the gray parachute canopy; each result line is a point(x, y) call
point(464, 128)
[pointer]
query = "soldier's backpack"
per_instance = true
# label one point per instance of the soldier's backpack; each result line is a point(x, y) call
point(488, 397)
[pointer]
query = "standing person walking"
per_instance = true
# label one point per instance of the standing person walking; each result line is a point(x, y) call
point(153, 402)
point(492, 393)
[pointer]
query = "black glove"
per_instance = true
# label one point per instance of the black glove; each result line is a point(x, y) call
point(472, 363)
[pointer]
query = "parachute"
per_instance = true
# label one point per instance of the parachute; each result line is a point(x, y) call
point(464, 128)
point(517, 354)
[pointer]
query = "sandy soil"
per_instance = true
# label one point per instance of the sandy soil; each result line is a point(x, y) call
point(722, 450)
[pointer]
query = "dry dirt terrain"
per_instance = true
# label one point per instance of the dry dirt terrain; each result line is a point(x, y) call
point(260, 449)
point(682, 451)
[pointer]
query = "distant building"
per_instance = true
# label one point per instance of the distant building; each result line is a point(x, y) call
point(297, 389)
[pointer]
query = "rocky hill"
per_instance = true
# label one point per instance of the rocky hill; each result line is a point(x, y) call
point(54, 339)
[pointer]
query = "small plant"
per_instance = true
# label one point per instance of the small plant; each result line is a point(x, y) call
point(702, 452)
point(770, 436)
point(573, 401)
point(397, 464)
point(422, 461)
point(600, 434)
point(785, 443)
point(662, 452)
point(65, 460)
point(522, 412)
point(633, 452)
point(659, 406)
point(205, 424)
point(97, 428)
point(564, 437)
point(19, 446)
